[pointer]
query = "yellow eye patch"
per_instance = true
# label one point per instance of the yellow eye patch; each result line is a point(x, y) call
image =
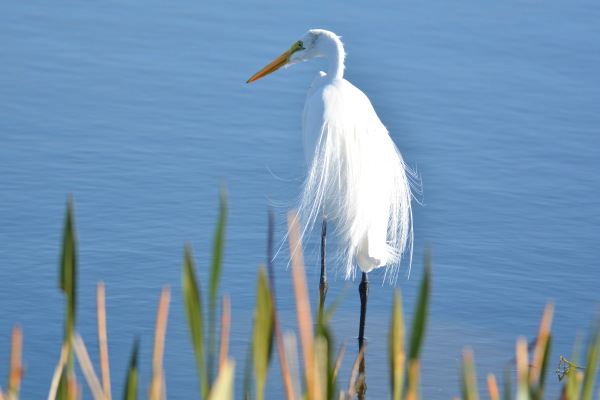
point(297, 46)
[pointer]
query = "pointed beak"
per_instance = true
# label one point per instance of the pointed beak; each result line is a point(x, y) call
point(273, 66)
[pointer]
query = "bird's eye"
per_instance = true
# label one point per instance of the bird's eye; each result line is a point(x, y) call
point(297, 46)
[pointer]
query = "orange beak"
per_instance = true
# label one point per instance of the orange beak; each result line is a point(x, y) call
point(273, 66)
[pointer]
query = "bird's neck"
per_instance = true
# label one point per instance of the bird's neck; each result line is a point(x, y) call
point(334, 51)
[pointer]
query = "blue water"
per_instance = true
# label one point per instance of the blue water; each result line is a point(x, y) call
point(140, 111)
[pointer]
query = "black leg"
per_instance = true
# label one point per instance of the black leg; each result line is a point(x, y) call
point(323, 285)
point(363, 290)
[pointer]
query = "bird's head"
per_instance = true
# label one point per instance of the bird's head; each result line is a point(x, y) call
point(309, 46)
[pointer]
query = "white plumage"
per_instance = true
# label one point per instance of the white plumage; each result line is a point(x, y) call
point(356, 175)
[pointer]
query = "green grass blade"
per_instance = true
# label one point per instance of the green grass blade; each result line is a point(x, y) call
point(262, 340)
point(62, 393)
point(544, 368)
point(218, 249)
point(68, 268)
point(591, 363)
point(193, 306)
point(322, 363)
point(573, 386)
point(539, 358)
point(214, 276)
point(420, 316)
point(331, 384)
point(131, 381)
point(68, 284)
point(397, 356)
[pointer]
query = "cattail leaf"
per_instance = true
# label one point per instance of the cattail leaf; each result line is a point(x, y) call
point(544, 366)
point(193, 306)
point(262, 339)
point(68, 268)
point(573, 387)
point(322, 364)
point(131, 380)
point(68, 284)
point(325, 362)
point(539, 359)
point(591, 363)
point(420, 315)
point(214, 276)
point(397, 356)
point(218, 249)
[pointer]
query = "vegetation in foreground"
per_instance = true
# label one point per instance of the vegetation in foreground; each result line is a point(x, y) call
point(320, 362)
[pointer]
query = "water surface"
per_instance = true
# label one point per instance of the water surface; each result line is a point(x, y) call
point(140, 111)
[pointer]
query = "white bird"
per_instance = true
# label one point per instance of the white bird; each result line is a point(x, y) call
point(356, 177)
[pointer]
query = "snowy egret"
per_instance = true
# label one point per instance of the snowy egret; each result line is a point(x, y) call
point(356, 177)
